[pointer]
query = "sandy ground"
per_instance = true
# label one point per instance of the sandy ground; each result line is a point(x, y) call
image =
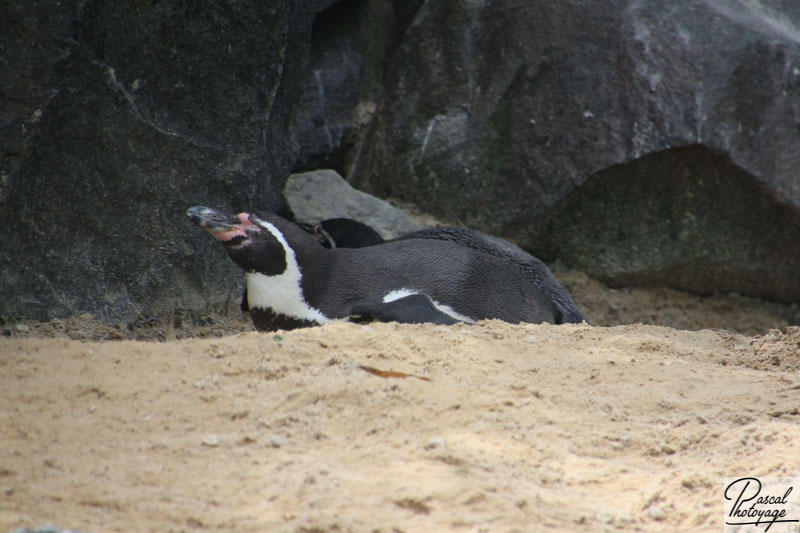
point(513, 428)
point(200, 424)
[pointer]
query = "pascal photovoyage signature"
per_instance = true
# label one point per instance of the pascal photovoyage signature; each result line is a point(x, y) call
point(751, 507)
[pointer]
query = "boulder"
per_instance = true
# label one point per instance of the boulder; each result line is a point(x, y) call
point(323, 194)
point(685, 217)
point(560, 125)
point(117, 117)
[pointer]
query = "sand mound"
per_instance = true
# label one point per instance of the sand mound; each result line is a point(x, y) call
point(513, 428)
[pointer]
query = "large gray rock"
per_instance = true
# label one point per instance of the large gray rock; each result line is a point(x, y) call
point(119, 115)
point(322, 194)
point(494, 113)
point(687, 217)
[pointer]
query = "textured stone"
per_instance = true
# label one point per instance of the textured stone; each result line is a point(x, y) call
point(322, 194)
point(120, 116)
point(702, 225)
point(352, 41)
point(494, 113)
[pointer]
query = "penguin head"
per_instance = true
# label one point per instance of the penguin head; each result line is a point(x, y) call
point(256, 244)
point(345, 233)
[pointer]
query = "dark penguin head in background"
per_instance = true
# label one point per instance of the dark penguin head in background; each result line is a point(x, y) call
point(344, 233)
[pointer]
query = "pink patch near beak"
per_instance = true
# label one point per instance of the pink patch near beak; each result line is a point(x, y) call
point(238, 231)
point(318, 234)
point(246, 224)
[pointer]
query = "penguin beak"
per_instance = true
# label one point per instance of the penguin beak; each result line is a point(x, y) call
point(224, 228)
point(211, 220)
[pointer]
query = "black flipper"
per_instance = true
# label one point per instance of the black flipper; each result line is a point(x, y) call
point(413, 309)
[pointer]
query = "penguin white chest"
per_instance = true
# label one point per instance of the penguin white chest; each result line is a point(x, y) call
point(282, 293)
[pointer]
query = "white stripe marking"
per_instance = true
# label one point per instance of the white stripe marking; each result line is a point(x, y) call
point(397, 294)
point(446, 309)
point(282, 293)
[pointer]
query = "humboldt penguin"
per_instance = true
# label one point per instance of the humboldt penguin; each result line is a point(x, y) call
point(293, 282)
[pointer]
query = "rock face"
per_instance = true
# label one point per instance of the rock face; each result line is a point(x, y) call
point(352, 42)
point(117, 116)
point(684, 216)
point(497, 113)
point(640, 140)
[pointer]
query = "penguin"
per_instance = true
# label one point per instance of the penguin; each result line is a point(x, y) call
point(348, 233)
point(294, 282)
point(345, 233)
